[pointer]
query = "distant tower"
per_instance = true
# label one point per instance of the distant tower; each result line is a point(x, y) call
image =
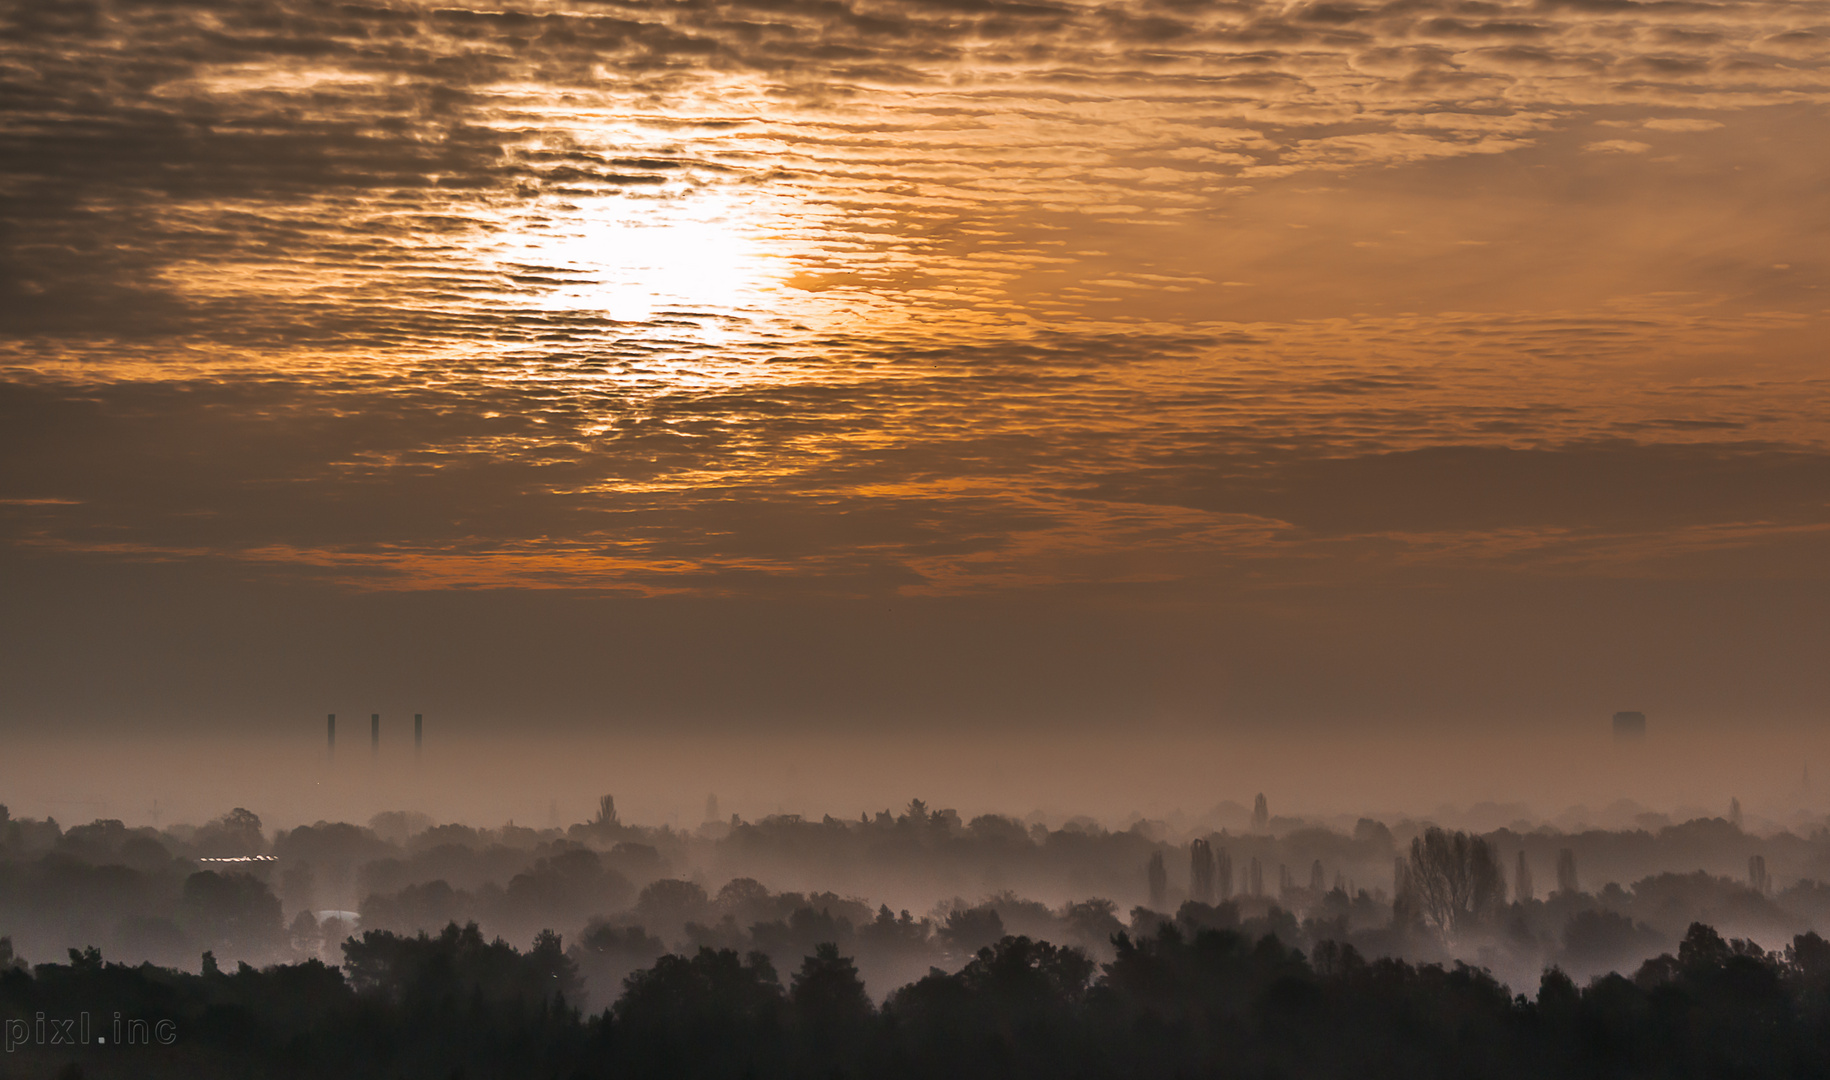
point(331, 733)
point(1629, 726)
point(1201, 871)
point(1521, 880)
point(711, 808)
point(1261, 814)
point(1223, 875)
point(1158, 876)
point(1566, 872)
point(375, 733)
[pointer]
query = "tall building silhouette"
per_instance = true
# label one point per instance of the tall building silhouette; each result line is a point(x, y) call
point(1629, 726)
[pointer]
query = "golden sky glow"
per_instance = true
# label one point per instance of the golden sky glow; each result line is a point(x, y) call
point(1160, 303)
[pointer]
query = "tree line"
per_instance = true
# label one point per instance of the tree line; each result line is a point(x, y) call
point(1180, 1001)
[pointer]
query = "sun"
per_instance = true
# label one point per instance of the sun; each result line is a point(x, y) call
point(634, 259)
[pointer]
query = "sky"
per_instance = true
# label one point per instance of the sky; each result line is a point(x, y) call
point(765, 373)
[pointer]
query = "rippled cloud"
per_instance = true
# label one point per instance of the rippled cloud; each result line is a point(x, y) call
point(916, 298)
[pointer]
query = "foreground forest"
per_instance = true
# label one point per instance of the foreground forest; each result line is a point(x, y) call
point(1182, 1001)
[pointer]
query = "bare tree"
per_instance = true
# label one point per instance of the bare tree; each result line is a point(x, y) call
point(606, 810)
point(1455, 879)
point(1201, 871)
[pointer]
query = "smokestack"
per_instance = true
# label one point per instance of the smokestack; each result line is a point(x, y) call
point(332, 726)
point(419, 732)
point(375, 733)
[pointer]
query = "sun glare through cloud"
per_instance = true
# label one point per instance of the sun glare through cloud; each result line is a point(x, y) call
point(633, 258)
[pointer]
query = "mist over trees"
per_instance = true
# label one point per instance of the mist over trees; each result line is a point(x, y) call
point(896, 893)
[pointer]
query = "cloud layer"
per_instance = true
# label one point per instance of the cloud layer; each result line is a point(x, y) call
point(1128, 303)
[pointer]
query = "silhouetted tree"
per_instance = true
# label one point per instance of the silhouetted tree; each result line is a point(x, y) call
point(1407, 906)
point(232, 912)
point(606, 812)
point(237, 832)
point(1201, 871)
point(1521, 880)
point(1157, 876)
point(1454, 878)
point(711, 1015)
point(422, 970)
point(966, 930)
point(827, 995)
point(1223, 875)
point(1092, 923)
point(1255, 878)
point(670, 903)
point(1566, 872)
